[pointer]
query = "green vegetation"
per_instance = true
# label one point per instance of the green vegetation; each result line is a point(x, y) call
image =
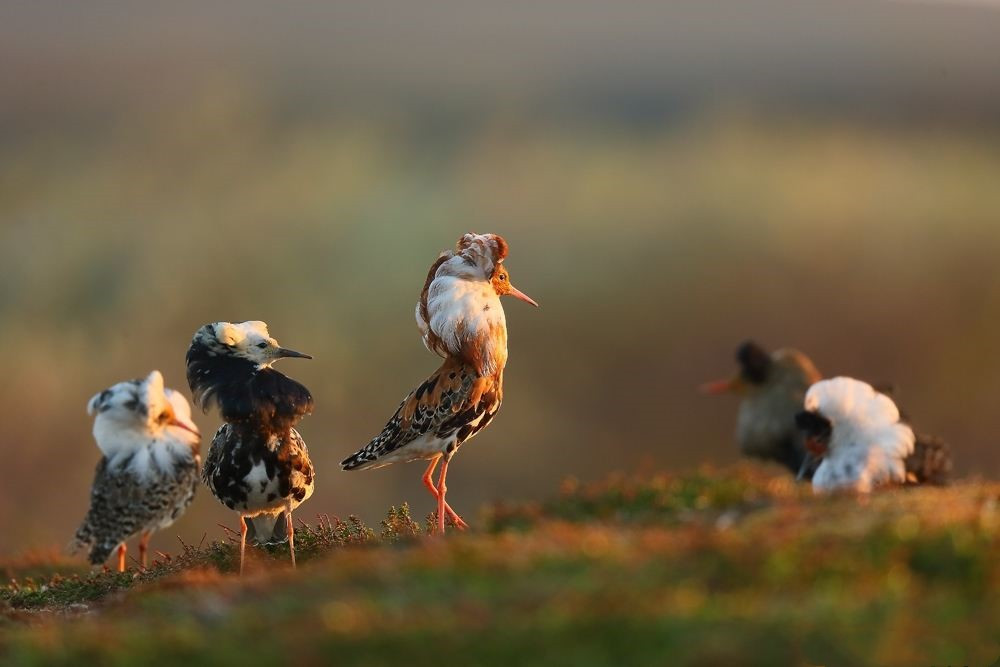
point(714, 567)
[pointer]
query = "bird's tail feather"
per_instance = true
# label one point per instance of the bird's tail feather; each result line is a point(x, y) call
point(267, 528)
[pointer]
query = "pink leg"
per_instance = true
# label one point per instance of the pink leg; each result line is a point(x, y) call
point(121, 556)
point(291, 531)
point(429, 483)
point(243, 540)
point(143, 548)
point(442, 493)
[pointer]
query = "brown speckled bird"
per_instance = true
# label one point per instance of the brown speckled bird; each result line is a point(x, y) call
point(461, 319)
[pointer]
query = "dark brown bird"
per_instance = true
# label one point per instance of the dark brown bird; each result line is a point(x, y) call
point(772, 387)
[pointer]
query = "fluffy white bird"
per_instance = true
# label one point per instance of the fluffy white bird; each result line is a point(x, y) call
point(857, 432)
point(149, 471)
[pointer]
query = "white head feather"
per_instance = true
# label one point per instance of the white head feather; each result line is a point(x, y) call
point(868, 444)
point(132, 424)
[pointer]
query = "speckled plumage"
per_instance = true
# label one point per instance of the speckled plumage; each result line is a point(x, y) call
point(446, 410)
point(149, 472)
point(461, 319)
point(122, 505)
point(257, 473)
point(258, 464)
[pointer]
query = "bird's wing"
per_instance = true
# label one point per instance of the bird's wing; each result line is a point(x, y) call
point(121, 505)
point(431, 340)
point(454, 401)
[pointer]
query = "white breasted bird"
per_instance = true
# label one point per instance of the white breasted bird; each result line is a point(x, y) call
point(858, 434)
point(148, 473)
point(461, 319)
point(258, 464)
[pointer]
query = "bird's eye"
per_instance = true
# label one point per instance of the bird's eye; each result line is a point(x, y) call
point(503, 276)
point(163, 418)
point(262, 345)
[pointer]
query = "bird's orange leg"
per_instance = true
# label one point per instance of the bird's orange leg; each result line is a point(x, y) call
point(243, 540)
point(442, 490)
point(429, 483)
point(143, 547)
point(121, 556)
point(291, 531)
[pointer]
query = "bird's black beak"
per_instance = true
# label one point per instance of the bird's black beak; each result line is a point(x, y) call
point(283, 352)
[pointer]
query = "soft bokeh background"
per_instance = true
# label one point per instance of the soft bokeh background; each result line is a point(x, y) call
point(671, 178)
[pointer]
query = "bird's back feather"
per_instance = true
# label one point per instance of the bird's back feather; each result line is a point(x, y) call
point(122, 504)
point(446, 409)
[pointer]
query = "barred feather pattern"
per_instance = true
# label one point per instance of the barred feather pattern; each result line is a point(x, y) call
point(446, 410)
point(123, 504)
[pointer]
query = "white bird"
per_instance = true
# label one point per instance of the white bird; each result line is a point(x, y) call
point(148, 473)
point(858, 433)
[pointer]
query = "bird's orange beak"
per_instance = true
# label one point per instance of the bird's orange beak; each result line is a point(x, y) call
point(733, 385)
point(176, 421)
point(518, 294)
point(191, 428)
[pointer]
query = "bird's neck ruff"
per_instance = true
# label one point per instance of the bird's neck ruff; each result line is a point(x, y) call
point(459, 314)
point(244, 391)
point(868, 444)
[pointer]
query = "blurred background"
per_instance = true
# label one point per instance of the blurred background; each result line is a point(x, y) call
point(672, 178)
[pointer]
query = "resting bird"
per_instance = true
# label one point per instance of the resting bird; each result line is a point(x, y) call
point(857, 433)
point(148, 473)
point(772, 387)
point(258, 464)
point(460, 318)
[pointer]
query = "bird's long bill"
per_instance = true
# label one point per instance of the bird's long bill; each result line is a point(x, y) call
point(285, 352)
point(728, 386)
point(518, 294)
point(187, 426)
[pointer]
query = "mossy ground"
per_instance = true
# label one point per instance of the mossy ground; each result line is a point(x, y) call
point(729, 567)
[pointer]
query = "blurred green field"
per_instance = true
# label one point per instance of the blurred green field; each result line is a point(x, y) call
point(736, 567)
point(672, 178)
point(653, 250)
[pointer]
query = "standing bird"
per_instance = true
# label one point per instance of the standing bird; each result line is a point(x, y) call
point(858, 435)
point(149, 472)
point(461, 319)
point(258, 464)
point(772, 387)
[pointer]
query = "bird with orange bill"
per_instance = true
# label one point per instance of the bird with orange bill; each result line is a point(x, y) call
point(461, 319)
point(771, 387)
point(148, 474)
